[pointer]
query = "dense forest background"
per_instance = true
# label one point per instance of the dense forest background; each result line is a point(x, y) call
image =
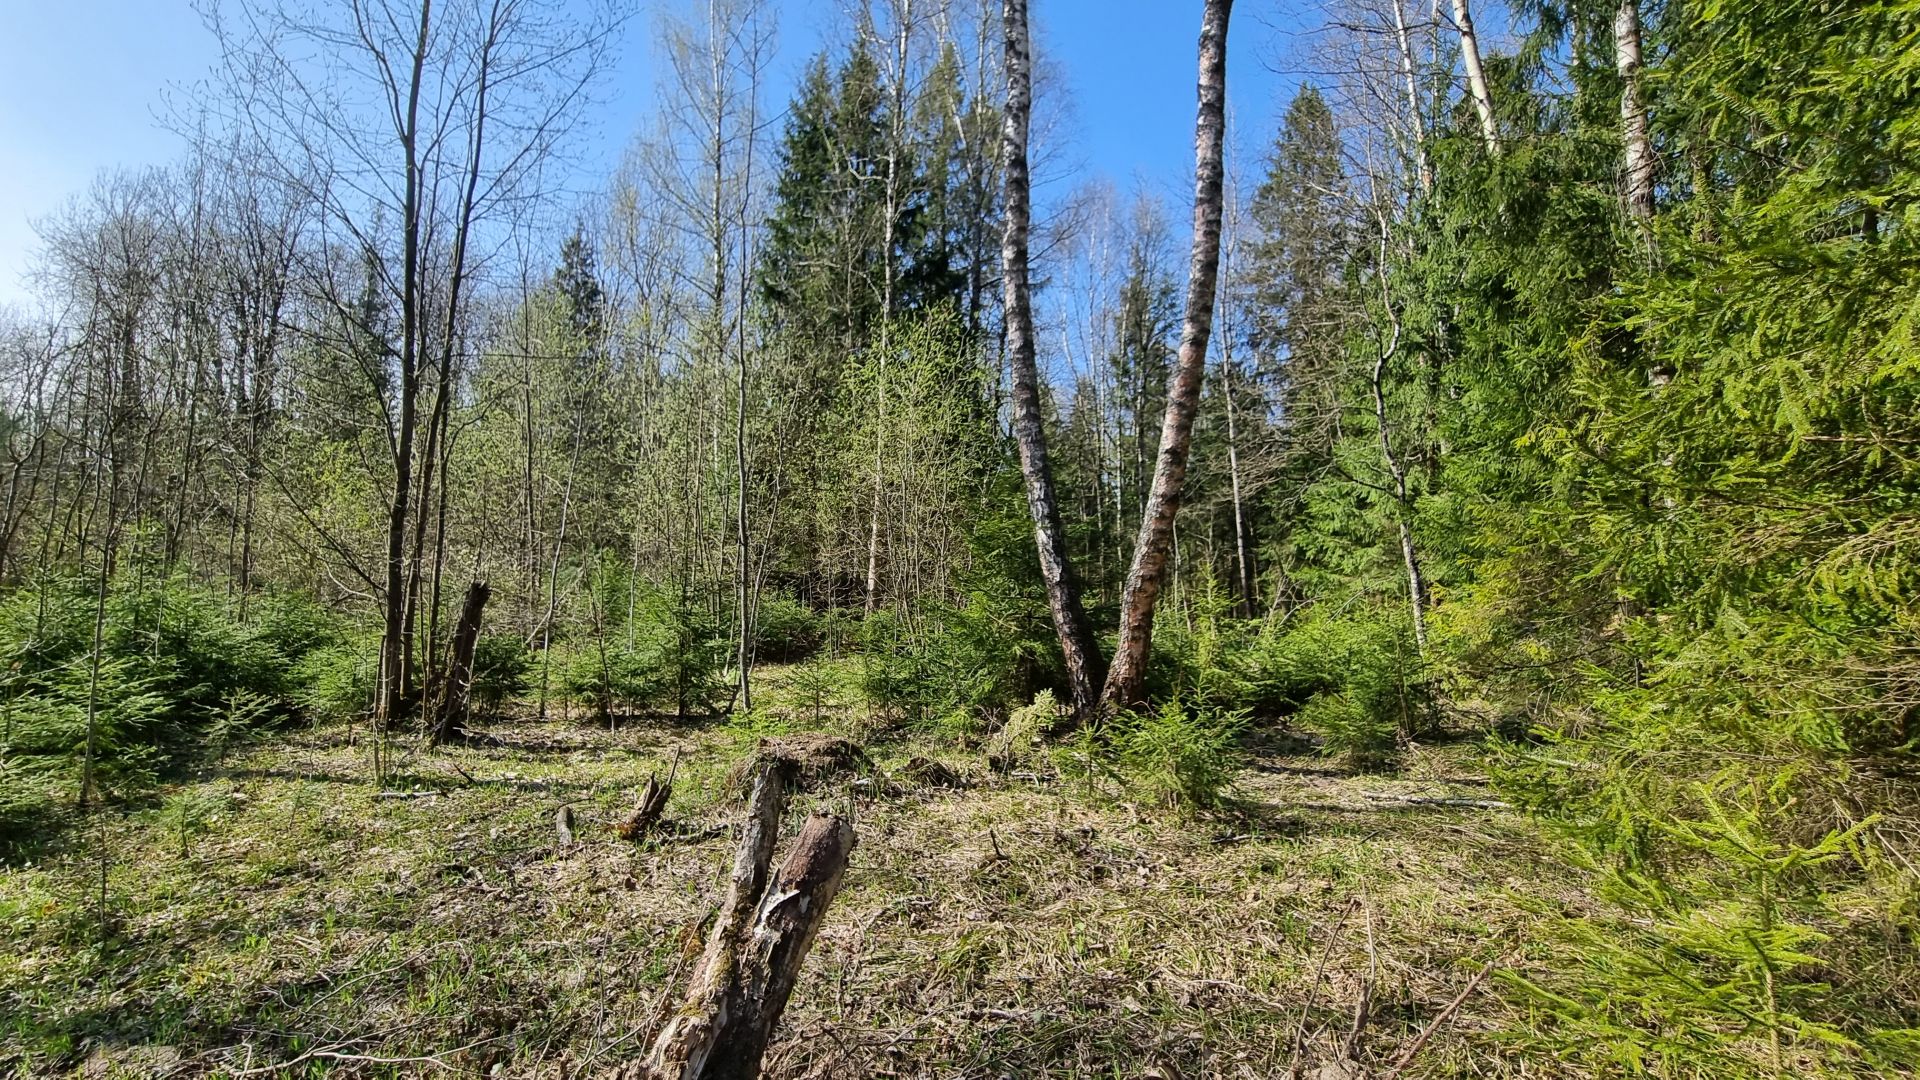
point(1561, 394)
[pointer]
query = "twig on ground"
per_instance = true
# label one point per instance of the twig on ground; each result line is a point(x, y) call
point(335, 1052)
point(1363, 1007)
point(1313, 991)
point(1406, 1056)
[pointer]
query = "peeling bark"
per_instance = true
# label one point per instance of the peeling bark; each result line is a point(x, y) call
point(758, 943)
point(1638, 144)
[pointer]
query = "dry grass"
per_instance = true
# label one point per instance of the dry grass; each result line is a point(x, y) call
point(1015, 926)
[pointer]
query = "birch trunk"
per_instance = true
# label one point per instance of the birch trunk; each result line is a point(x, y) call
point(1126, 679)
point(1063, 591)
point(1423, 164)
point(1476, 75)
point(1633, 112)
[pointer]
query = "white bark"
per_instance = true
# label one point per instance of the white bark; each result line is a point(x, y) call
point(1476, 75)
point(1633, 112)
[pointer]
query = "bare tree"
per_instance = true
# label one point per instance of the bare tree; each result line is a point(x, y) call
point(1126, 678)
point(469, 101)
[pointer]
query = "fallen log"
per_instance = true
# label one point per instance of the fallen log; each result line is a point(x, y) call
point(1432, 800)
point(759, 940)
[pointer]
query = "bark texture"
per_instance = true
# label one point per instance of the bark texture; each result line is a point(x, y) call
point(760, 938)
point(1476, 75)
point(456, 690)
point(1633, 112)
point(1416, 118)
point(648, 807)
point(1125, 684)
point(1077, 643)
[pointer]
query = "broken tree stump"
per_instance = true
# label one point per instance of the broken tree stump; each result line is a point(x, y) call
point(759, 940)
point(456, 688)
point(651, 804)
point(815, 759)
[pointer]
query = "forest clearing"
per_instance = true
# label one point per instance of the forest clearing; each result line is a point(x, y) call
point(725, 538)
point(1019, 922)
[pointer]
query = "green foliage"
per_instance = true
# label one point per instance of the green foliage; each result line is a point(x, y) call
point(785, 629)
point(502, 664)
point(670, 654)
point(1195, 649)
point(337, 681)
point(188, 813)
point(1026, 729)
point(1184, 757)
point(1726, 930)
point(177, 676)
point(749, 726)
point(815, 683)
point(1721, 657)
point(969, 662)
point(1352, 678)
point(1179, 756)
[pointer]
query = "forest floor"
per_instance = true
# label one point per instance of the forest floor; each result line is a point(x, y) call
point(277, 916)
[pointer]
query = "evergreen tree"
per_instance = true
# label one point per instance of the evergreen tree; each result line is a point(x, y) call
point(1298, 305)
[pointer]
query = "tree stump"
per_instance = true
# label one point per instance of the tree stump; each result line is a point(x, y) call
point(651, 804)
point(456, 688)
point(759, 940)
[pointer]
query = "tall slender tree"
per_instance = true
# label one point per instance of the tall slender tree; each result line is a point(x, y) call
point(1070, 623)
point(1126, 677)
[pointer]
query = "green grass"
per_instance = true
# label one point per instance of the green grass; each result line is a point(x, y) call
point(1013, 927)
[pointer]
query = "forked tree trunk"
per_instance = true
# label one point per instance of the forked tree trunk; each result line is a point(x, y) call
point(1063, 591)
point(457, 688)
point(759, 940)
point(394, 646)
point(1126, 679)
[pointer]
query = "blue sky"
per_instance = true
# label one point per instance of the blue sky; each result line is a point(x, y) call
point(84, 83)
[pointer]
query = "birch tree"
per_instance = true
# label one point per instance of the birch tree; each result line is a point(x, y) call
point(1126, 678)
point(1063, 591)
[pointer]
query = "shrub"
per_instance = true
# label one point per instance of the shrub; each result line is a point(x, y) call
point(971, 661)
point(670, 652)
point(815, 683)
point(501, 666)
point(1025, 730)
point(1758, 913)
point(1354, 679)
point(1178, 756)
point(338, 682)
point(960, 666)
point(1184, 757)
point(785, 629)
point(893, 672)
point(176, 675)
point(1194, 650)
